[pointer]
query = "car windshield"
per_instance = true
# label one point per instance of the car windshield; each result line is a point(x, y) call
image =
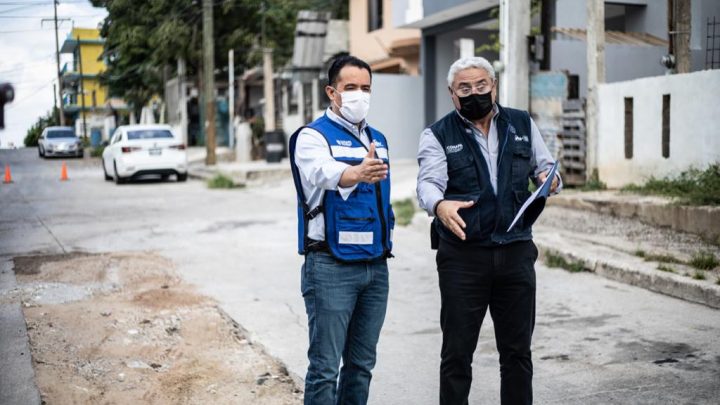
point(60, 133)
point(150, 134)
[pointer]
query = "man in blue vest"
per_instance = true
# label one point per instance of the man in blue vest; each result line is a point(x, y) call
point(341, 171)
point(475, 164)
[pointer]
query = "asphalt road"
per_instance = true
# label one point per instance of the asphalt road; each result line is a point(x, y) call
point(596, 341)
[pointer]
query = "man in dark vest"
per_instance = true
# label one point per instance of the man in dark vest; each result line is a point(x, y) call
point(340, 166)
point(475, 164)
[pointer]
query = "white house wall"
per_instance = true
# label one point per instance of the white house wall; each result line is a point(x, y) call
point(694, 126)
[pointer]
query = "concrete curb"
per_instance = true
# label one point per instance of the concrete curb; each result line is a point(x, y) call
point(251, 175)
point(618, 266)
point(17, 377)
point(656, 211)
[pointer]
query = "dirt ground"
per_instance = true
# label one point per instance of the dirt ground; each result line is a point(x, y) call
point(122, 328)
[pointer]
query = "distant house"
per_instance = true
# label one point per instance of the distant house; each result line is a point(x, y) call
point(85, 100)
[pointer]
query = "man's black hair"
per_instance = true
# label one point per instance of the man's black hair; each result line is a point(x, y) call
point(340, 63)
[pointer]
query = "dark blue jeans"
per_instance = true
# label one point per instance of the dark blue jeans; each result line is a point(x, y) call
point(346, 305)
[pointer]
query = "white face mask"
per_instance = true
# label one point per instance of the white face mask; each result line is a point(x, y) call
point(355, 105)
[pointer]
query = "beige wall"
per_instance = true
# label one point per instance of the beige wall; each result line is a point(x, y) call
point(373, 47)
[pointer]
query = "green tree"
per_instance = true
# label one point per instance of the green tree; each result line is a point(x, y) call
point(144, 39)
point(50, 119)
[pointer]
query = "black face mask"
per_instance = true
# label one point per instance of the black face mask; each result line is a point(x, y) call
point(476, 106)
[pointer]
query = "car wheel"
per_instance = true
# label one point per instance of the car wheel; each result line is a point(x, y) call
point(118, 179)
point(182, 177)
point(41, 152)
point(81, 155)
point(107, 176)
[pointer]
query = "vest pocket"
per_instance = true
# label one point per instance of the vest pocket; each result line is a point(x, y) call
point(462, 174)
point(355, 229)
point(521, 166)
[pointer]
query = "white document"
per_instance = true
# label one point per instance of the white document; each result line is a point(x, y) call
point(539, 196)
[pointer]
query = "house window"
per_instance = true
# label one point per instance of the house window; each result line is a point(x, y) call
point(375, 15)
point(628, 127)
point(666, 126)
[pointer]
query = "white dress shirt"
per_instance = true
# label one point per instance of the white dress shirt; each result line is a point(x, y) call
point(319, 171)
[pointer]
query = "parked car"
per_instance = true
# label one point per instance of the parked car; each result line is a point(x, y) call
point(59, 141)
point(139, 150)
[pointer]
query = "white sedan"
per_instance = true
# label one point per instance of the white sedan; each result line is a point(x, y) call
point(139, 150)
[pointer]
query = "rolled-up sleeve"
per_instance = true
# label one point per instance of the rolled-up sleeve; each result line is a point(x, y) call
point(316, 165)
point(542, 160)
point(432, 176)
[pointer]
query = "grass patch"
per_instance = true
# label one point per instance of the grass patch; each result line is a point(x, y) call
point(665, 268)
point(557, 261)
point(97, 151)
point(594, 184)
point(649, 257)
point(693, 186)
point(404, 211)
point(699, 275)
point(221, 181)
point(704, 261)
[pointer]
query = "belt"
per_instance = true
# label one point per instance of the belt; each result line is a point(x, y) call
point(317, 246)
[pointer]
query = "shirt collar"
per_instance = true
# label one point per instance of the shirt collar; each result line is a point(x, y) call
point(353, 128)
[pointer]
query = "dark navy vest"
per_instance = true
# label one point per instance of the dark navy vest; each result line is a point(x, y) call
point(469, 178)
point(359, 228)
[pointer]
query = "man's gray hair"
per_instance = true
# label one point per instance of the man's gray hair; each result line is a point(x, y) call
point(469, 62)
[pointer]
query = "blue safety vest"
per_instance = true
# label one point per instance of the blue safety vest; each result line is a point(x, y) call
point(359, 228)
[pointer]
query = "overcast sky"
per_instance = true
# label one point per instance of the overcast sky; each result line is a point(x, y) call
point(27, 56)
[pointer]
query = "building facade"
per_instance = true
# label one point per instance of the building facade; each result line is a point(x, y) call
point(85, 101)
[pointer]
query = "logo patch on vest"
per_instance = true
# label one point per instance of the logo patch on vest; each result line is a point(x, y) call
point(343, 143)
point(453, 148)
point(523, 138)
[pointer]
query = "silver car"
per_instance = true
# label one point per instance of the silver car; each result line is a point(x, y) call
point(59, 141)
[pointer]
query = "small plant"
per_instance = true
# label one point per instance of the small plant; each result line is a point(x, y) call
point(404, 211)
point(704, 261)
point(221, 181)
point(662, 258)
point(699, 275)
point(557, 261)
point(650, 257)
point(665, 268)
point(97, 151)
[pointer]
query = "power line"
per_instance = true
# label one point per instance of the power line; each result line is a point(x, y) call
point(21, 31)
point(50, 18)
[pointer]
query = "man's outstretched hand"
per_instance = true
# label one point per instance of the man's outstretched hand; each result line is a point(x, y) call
point(371, 170)
point(447, 211)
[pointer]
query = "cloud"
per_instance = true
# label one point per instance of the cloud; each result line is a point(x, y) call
point(27, 58)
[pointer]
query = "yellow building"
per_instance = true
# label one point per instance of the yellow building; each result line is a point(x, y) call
point(84, 99)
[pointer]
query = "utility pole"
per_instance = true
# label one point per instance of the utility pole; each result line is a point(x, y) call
point(269, 89)
point(596, 75)
point(514, 31)
point(57, 59)
point(231, 98)
point(209, 81)
point(82, 89)
point(545, 24)
point(679, 19)
point(55, 96)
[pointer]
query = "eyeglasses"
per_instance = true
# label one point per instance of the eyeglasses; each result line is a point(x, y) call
point(464, 91)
